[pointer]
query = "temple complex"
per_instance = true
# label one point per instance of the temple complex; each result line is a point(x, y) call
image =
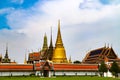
point(52, 61)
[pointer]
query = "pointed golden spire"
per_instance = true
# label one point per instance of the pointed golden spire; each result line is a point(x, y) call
point(59, 55)
point(45, 45)
point(70, 61)
point(59, 42)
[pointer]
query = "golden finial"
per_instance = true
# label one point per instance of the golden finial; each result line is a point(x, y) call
point(25, 61)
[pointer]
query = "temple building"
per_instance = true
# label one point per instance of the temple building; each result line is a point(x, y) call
point(6, 57)
point(34, 56)
point(40, 55)
point(56, 54)
point(106, 54)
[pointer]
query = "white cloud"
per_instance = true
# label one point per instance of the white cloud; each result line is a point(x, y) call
point(81, 28)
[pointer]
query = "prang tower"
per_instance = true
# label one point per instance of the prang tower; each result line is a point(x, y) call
point(59, 54)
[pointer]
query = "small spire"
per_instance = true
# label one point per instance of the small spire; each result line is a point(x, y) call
point(70, 61)
point(25, 61)
point(105, 45)
point(59, 24)
point(108, 45)
point(51, 45)
point(111, 46)
point(45, 45)
point(6, 54)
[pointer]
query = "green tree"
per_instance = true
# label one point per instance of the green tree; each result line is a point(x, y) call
point(76, 62)
point(102, 68)
point(115, 69)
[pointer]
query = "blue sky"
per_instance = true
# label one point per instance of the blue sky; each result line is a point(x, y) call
point(85, 25)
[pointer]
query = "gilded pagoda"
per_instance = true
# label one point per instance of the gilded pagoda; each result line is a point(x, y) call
point(59, 55)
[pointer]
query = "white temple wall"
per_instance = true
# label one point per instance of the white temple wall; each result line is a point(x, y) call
point(73, 73)
point(57, 73)
point(15, 73)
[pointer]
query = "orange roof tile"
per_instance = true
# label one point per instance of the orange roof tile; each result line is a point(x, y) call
point(17, 67)
point(71, 67)
point(29, 67)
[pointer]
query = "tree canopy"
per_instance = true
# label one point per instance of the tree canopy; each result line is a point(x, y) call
point(115, 69)
point(76, 62)
point(102, 68)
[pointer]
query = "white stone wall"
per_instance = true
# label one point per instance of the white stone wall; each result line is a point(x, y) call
point(15, 73)
point(38, 73)
point(108, 74)
point(57, 73)
point(73, 73)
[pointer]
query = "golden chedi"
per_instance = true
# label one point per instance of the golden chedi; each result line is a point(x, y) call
point(59, 54)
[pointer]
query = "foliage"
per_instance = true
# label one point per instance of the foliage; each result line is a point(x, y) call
point(102, 68)
point(76, 62)
point(115, 69)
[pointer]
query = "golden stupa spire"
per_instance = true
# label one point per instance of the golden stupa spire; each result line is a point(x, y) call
point(59, 55)
point(59, 42)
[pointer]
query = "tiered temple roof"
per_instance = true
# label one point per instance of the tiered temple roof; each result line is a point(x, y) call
point(34, 56)
point(106, 54)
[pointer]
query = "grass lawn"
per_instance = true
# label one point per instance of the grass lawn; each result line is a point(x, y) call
point(59, 78)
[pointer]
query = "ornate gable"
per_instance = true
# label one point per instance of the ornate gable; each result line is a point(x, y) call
point(111, 54)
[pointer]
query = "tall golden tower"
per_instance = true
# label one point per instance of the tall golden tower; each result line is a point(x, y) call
point(59, 55)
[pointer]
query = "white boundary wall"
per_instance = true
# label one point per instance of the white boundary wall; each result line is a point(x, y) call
point(73, 73)
point(15, 73)
point(69, 73)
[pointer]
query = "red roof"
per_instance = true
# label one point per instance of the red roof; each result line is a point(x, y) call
point(16, 67)
point(75, 67)
point(58, 67)
point(66, 66)
point(34, 56)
